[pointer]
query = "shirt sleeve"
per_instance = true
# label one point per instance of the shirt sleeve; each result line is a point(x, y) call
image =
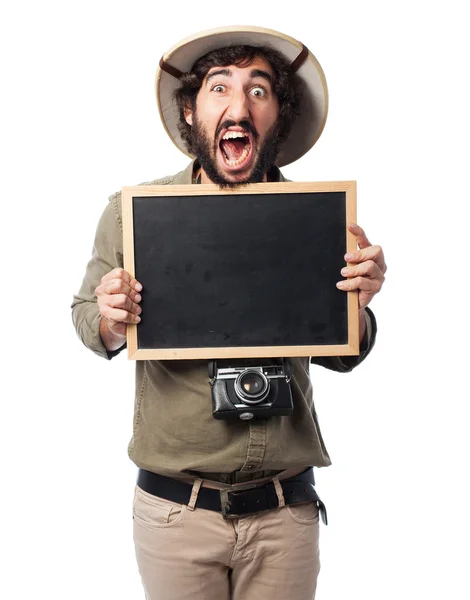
point(344, 364)
point(107, 255)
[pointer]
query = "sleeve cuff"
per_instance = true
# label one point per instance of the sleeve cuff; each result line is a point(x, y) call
point(89, 333)
point(344, 364)
point(367, 342)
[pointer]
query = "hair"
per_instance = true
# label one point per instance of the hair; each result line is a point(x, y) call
point(286, 84)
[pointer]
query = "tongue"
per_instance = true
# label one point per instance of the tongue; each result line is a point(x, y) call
point(233, 148)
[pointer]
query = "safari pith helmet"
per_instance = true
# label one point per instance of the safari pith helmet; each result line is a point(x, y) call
point(307, 126)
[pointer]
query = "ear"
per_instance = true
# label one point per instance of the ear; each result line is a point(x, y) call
point(188, 115)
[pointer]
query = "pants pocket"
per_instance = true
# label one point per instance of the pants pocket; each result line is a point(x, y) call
point(306, 513)
point(153, 512)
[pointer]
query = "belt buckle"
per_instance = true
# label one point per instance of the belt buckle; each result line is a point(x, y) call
point(225, 501)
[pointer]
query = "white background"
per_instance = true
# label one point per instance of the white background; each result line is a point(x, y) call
point(78, 121)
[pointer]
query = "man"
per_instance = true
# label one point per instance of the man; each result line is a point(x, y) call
point(224, 510)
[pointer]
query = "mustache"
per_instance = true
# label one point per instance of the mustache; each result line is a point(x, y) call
point(247, 126)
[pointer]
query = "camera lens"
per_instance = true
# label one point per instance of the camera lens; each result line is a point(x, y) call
point(252, 386)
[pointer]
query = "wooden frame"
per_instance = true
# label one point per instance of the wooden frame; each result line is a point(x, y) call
point(351, 347)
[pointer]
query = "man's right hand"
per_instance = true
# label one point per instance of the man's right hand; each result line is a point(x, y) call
point(118, 300)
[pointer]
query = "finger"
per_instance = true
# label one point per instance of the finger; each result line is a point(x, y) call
point(361, 237)
point(118, 286)
point(369, 268)
point(359, 283)
point(120, 273)
point(120, 301)
point(374, 253)
point(120, 316)
point(124, 302)
point(136, 285)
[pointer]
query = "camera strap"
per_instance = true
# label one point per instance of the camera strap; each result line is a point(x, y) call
point(287, 368)
point(211, 367)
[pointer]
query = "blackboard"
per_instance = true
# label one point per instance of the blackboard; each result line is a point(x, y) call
point(249, 272)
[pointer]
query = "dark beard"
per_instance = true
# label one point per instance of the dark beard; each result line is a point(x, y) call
point(205, 152)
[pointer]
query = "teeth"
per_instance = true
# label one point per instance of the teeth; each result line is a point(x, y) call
point(243, 155)
point(233, 134)
point(230, 135)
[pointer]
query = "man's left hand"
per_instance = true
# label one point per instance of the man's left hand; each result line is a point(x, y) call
point(368, 271)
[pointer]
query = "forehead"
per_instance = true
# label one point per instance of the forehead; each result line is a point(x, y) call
point(259, 63)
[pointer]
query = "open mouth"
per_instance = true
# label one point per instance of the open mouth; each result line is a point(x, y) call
point(235, 147)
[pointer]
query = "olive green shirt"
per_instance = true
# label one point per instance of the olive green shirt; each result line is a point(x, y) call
point(174, 432)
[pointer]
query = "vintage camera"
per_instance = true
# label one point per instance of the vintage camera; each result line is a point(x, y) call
point(250, 392)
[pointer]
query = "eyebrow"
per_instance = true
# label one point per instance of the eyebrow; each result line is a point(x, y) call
point(261, 73)
point(228, 73)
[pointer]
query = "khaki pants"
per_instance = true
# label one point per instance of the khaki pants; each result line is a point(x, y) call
point(187, 553)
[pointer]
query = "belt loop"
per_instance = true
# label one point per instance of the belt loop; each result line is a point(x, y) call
point(195, 491)
point(279, 492)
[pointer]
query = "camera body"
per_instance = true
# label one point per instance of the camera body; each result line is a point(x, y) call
point(253, 392)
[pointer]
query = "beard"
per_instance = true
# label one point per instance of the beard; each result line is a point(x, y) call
point(205, 152)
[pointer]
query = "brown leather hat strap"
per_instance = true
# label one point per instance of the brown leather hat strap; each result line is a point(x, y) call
point(299, 61)
point(164, 66)
point(295, 66)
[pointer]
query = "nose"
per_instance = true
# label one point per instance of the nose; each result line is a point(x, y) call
point(238, 109)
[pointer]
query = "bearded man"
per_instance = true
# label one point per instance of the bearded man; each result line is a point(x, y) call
point(241, 102)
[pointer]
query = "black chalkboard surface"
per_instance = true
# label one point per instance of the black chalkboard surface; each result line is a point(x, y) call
point(244, 273)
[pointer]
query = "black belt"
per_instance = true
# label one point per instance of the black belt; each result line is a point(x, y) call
point(239, 501)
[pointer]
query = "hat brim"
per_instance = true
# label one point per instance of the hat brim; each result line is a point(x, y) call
point(307, 125)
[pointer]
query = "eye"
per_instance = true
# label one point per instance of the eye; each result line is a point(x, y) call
point(219, 88)
point(258, 91)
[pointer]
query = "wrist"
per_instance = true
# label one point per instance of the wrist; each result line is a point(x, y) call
point(111, 340)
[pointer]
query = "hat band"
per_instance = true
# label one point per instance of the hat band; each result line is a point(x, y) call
point(295, 66)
